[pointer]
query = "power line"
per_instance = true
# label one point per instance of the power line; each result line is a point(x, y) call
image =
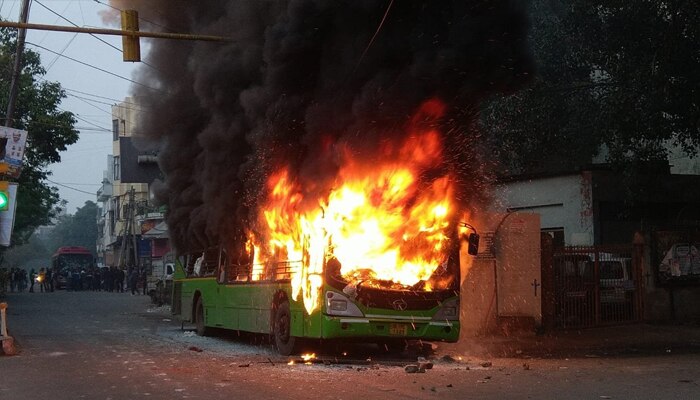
point(109, 104)
point(71, 188)
point(98, 96)
point(53, 62)
point(141, 18)
point(79, 184)
point(76, 25)
point(97, 68)
point(85, 120)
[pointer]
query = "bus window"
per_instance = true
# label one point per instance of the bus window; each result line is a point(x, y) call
point(210, 262)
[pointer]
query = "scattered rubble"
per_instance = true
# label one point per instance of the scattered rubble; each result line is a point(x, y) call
point(424, 364)
point(413, 368)
point(448, 359)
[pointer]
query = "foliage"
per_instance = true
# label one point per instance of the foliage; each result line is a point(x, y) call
point(50, 129)
point(78, 229)
point(618, 76)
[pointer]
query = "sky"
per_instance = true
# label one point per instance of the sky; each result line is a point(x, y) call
point(90, 92)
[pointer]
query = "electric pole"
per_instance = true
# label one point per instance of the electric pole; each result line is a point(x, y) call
point(14, 85)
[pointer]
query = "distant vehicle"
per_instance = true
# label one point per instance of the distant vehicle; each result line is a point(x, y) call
point(160, 284)
point(69, 258)
point(615, 274)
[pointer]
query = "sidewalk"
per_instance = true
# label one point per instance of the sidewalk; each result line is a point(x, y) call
point(625, 340)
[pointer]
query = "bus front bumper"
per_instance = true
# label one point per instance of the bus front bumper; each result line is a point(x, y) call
point(380, 328)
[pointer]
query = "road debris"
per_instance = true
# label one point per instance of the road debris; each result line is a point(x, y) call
point(486, 364)
point(413, 368)
point(424, 364)
point(195, 348)
point(448, 359)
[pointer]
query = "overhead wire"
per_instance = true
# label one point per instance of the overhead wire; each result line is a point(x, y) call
point(98, 96)
point(95, 67)
point(51, 64)
point(78, 116)
point(379, 28)
point(141, 18)
point(47, 33)
point(76, 25)
point(69, 187)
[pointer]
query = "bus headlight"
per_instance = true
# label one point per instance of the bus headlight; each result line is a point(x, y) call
point(339, 304)
point(448, 311)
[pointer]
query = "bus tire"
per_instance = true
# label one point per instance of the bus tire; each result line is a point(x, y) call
point(202, 330)
point(284, 341)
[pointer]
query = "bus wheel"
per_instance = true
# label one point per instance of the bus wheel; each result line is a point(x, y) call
point(202, 330)
point(284, 341)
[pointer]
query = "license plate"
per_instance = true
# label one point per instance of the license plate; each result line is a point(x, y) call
point(398, 329)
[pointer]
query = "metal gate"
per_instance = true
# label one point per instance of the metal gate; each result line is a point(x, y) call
point(596, 285)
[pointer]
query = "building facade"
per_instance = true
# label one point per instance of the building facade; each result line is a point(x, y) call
point(125, 210)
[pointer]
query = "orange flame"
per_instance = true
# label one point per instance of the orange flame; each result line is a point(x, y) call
point(383, 220)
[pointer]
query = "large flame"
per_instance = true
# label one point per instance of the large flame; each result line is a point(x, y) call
point(386, 220)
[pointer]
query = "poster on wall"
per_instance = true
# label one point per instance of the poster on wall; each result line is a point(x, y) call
point(14, 149)
point(678, 256)
point(681, 260)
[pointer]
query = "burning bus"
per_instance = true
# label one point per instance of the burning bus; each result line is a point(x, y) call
point(318, 166)
point(376, 258)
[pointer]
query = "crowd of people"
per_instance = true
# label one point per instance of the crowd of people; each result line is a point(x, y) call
point(108, 279)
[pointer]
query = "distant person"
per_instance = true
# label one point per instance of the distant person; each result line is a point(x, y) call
point(22, 279)
point(121, 278)
point(144, 280)
point(97, 280)
point(49, 280)
point(42, 279)
point(109, 279)
point(32, 278)
point(13, 279)
point(133, 280)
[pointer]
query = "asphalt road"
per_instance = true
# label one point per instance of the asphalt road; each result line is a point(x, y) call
point(90, 345)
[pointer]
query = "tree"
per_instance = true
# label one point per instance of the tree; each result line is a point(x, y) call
point(50, 129)
point(614, 75)
point(78, 229)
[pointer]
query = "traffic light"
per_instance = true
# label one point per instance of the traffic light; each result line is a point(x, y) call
point(4, 195)
point(131, 47)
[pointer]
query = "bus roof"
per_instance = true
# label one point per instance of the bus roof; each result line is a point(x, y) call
point(71, 250)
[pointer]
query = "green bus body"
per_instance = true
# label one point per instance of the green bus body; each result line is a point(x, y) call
point(250, 306)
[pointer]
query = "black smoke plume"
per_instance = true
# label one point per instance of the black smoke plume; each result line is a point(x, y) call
point(301, 77)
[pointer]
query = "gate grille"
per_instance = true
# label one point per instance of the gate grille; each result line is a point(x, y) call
point(596, 286)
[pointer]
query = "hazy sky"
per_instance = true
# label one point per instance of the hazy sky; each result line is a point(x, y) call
point(82, 164)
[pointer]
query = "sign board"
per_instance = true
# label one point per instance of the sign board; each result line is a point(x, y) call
point(7, 218)
point(14, 149)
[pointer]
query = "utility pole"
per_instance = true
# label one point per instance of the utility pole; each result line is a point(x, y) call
point(129, 247)
point(14, 85)
point(132, 200)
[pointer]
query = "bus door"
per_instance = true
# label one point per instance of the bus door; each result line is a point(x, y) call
point(226, 299)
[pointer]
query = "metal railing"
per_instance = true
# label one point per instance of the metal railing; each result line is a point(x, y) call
point(596, 286)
